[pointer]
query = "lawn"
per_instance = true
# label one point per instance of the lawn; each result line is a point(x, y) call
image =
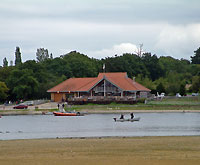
point(184, 103)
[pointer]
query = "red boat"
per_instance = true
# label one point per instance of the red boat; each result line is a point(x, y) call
point(67, 113)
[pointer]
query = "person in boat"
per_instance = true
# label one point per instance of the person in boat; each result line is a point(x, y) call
point(132, 116)
point(122, 116)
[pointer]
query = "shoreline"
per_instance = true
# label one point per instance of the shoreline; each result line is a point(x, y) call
point(99, 137)
point(42, 112)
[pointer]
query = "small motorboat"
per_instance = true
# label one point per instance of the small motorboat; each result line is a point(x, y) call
point(123, 120)
point(67, 114)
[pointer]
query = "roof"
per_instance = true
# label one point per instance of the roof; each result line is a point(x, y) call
point(119, 79)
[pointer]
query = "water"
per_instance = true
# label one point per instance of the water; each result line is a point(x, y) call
point(95, 125)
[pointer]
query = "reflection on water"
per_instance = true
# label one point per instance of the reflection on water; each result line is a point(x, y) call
point(49, 126)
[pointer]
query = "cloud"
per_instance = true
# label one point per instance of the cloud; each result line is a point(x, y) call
point(179, 41)
point(93, 27)
point(115, 50)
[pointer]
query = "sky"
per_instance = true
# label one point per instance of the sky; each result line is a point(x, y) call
point(99, 28)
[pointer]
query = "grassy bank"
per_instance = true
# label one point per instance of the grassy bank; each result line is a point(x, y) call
point(166, 104)
point(137, 150)
point(184, 103)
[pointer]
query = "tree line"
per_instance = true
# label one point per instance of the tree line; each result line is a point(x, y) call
point(31, 79)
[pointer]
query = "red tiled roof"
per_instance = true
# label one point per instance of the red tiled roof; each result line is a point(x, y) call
point(72, 84)
point(119, 79)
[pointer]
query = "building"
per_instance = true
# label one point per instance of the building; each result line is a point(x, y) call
point(105, 86)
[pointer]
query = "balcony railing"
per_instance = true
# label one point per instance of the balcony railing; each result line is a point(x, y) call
point(102, 98)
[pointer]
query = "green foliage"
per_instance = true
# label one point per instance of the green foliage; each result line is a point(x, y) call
point(172, 88)
point(31, 79)
point(160, 88)
point(3, 91)
point(18, 59)
point(152, 65)
point(196, 57)
point(182, 90)
point(130, 63)
point(145, 81)
point(196, 84)
point(5, 62)
point(80, 64)
point(42, 54)
point(141, 100)
point(5, 72)
point(22, 83)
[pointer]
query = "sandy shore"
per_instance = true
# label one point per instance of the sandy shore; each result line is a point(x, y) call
point(102, 151)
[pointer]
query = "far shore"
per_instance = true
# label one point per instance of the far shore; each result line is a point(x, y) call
point(89, 111)
point(177, 150)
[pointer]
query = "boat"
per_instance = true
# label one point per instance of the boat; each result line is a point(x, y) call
point(67, 114)
point(123, 120)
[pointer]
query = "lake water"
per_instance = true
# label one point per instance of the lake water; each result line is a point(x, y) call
point(98, 125)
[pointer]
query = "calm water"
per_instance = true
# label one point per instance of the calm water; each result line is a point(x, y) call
point(49, 126)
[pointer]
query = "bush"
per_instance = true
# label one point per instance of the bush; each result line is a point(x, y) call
point(141, 100)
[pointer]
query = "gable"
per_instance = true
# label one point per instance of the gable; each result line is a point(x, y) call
point(119, 80)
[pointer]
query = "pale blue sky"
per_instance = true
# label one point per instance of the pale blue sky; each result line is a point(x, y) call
point(99, 28)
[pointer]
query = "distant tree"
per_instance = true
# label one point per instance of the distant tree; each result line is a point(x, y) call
point(160, 88)
point(172, 88)
point(3, 91)
point(42, 54)
point(51, 56)
point(18, 58)
point(182, 90)
point(196, 57)
point(11, 63)
point(152, 65)
point(5, 62)
point(145, 81)
point(80, 64)
point(22, 83)
point(196, 84)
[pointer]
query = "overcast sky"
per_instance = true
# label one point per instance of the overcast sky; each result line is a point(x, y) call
point(99, 28)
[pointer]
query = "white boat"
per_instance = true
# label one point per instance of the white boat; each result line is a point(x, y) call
point(122, 120)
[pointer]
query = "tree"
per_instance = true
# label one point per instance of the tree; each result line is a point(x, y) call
point(152, 65)
point(42, 54)
point(3, 91)
point(11, 63)
point(51, 56)
point(5, 62)
point(172, 88)
point(182, 90)
point(18, 59)
point(22, 83)
point(79, 64)
point(196, 84)
point(145, 81)
point(196, 57)
point(160, 88)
